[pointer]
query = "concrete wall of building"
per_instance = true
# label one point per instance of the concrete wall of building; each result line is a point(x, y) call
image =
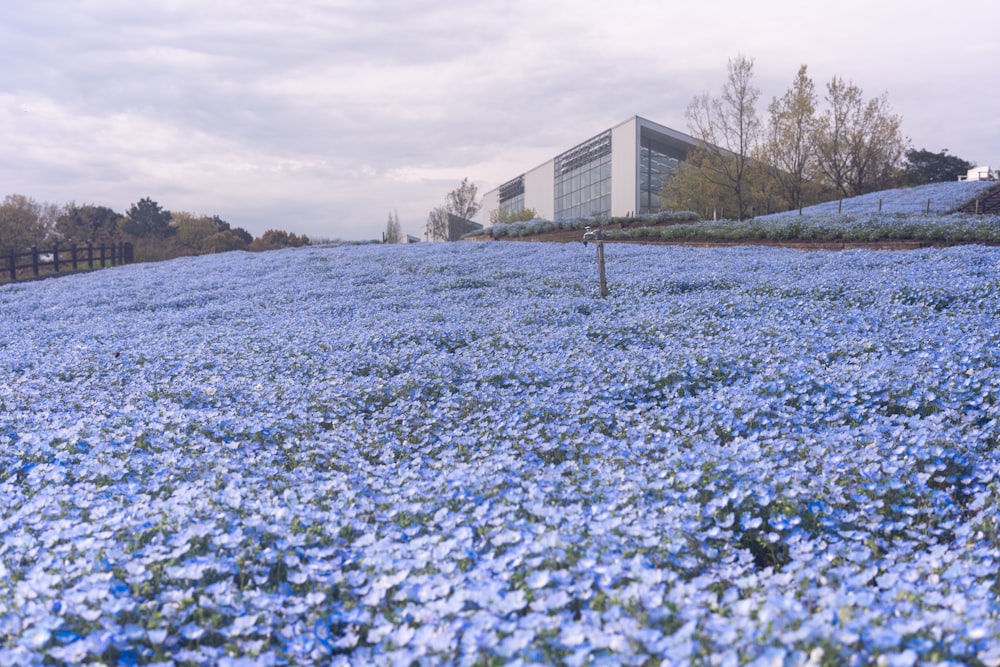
point(624, 167)
point(491, 202)
point(539, 190)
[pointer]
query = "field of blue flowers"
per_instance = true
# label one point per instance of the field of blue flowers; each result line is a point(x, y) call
point(933, 198)
point(920, 213)
point(458, 454)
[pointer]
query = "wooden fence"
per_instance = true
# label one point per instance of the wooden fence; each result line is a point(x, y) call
point(74, 258)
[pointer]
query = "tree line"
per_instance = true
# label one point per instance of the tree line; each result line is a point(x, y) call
point(155, 233)
point(802, 153)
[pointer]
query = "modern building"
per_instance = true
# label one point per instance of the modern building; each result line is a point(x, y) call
point(617, 172)
point(983, 173)
point(459, 227)
point(450, 227)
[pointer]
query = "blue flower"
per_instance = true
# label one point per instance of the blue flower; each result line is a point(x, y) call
point(360, 452)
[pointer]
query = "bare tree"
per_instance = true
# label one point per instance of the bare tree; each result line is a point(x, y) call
point(877, 147)
point(437, 224)
point(393, 233)
point(860, 145)
point(461, 202)
point(729, 128)
point(833, 132)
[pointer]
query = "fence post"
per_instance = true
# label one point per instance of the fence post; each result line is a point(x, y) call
point(114, 254)
point(90, 255)
point(129, 253)
point(102, 255)
point(13, 266)
point(927, 209)
point(55, 258)
point(34, 261)
point(72, 255)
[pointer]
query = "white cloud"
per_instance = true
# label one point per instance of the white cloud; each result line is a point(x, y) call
point(319, 116)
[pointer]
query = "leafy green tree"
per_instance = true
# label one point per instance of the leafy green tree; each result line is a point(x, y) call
point(192, 230)
point(147, 218)
point(243, 235)
point(695, 188)
point(26, 223)
point(274, 239)
point(791, 136)
point(88, 224)
point(729, 129)
point(220, 224)
point(226, 241)
point(689, 190)
point(502, 216)
point(922, 167)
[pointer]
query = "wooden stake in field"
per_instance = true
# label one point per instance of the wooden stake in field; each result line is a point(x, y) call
point(602, 274)
point(589, 234)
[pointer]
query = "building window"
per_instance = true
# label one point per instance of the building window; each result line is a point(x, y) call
point(512, 196)
point(583, 179)
point(657, 163)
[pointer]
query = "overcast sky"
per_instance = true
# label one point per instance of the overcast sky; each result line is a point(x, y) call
point(321, 116)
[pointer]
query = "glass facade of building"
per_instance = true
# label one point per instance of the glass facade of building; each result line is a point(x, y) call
point(657, 163)
point(620, 171)
point(583, 179)
point(511, 196)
